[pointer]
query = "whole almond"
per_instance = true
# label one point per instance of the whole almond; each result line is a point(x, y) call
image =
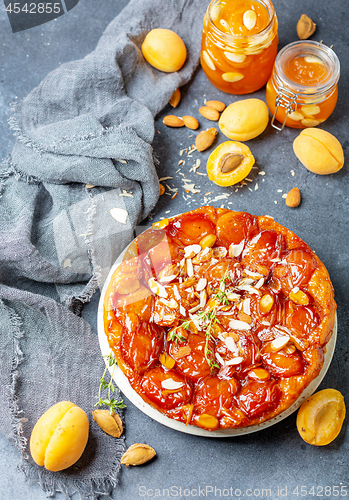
point(110, 423)
point(190, 122)
point(175, 98)
point(209, 113)
point(173, 121)
point(205, 139)
point(218, 105)
point(137, 454)
point(293, 198)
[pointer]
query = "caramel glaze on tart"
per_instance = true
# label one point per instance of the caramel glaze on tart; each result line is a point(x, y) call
point(218, 318)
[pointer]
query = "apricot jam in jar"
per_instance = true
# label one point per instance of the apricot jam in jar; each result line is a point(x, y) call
point(302, 89)
point(239, 44)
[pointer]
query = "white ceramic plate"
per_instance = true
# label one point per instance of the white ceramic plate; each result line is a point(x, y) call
point(124, 386)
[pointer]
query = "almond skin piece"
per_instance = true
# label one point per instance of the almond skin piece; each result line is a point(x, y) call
point(205, 139)
point(293, 198)
point(209, 113)
point(173, 121)
point(218, 105)
point(190, 122)
point(137, 454)
point(175, 98)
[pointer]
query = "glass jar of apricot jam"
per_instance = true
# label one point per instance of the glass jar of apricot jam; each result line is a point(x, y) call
point(302, 89)
point(239, 44)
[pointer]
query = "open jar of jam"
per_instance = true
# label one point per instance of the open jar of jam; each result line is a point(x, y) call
point(239, 44)
point(302, 89)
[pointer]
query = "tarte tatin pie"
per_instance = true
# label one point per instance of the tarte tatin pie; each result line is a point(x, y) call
point(218, 318)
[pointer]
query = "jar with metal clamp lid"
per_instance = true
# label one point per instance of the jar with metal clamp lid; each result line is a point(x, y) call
point(239, 44)
point(302, 89)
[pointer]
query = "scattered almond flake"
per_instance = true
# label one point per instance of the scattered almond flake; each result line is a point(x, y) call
point(157, 288)
point(284, 195)
point(173, 196)
point(246, 306)
point(250, 189)
point(230, 343)
point(205, 251)
point(266, 323)
point(167, 211)
point(235, 361)
point(295, 289)
point(125, 193)
point(256, 186)
point(67, 263)
point(221, 197)
point(248, 180)
point(233, 296)
point(194, 309)
point(190, 269)
point(182, 310)
point(121, 161)
point(221, 337)
point(182, 262)
point(219, 359)
point(279, 190)
point(171, 188)
point(171, 384)
point(172, 304)
point(259, 283)
point(119, 214)
point(180, 279)
point(196, 322)
point(275, 202)
point(236, 324)
point(292, 173)
point(248, 289)
point(201, 285)
point(169, 194)
point(181, 162)
point(89, 186)
point(181, 152)
point(235, 250)
point(252, 274)
point(203, 298)
point(206, 194)
point(261, 172)
point(191, 250)
point(199, 173)
point(190, 188)
point(277, 259)
point(165, 179)
point(176, 292)
point(167, 279)
point(246, 281)
point(279, 343)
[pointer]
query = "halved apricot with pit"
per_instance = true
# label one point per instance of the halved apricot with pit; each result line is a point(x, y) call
point(320, 418)
point(229, 163)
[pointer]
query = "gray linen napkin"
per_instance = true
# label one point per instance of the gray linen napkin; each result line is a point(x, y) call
point(89, 123)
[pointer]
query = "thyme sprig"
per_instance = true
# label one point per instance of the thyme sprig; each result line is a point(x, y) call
point(111, 402)
point(175, 335)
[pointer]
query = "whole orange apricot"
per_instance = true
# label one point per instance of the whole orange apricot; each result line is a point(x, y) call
point(164, 50)
point(59, 437)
